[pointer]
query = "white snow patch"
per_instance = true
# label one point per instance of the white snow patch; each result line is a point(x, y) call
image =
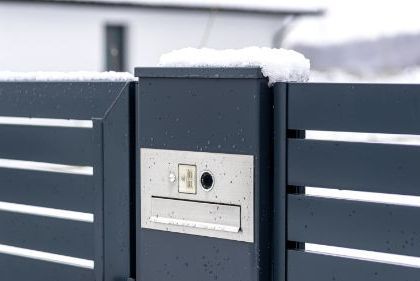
point(110, 76)
point(405, 76)
point(278, 65)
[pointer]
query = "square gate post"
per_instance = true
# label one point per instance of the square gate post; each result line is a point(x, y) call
point(204, 190)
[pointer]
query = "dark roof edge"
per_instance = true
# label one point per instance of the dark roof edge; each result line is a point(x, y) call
point(294, 12)
point(199, 72)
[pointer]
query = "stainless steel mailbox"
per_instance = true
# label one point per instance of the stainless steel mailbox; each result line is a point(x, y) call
point(220, 201)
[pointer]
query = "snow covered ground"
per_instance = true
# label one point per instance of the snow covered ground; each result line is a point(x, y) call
point(405, 76)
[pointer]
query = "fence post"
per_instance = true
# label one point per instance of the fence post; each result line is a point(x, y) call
point(280, 183)
point(184, 113)
point(99, 197)
point(118, 185)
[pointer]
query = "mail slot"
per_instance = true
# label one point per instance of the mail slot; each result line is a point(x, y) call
point(204, 187)
point(196, 215)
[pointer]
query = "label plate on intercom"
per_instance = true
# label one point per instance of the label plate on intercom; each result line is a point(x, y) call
point(198, 193)
point(187, 178)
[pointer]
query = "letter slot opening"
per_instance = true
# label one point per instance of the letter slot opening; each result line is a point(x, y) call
point(193, 214)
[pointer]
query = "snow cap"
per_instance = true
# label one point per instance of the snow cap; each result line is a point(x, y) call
point(278, 65)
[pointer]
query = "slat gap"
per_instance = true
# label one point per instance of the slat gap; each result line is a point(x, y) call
point(48, 257)
point(45, 167)
point(46, 212)
point(46, 122)
point(399, 139)
point(372, 256)
point(363, 196)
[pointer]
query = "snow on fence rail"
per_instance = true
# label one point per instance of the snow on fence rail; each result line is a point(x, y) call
point(80, 76)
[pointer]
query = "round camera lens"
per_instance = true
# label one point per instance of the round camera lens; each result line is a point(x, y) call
point(207, 180)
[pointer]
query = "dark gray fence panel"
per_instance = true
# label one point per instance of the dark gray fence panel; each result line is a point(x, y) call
point(310, 266)
point(58, 236)
point(354, 224)
point(354, 166)
point(17, 268)
point(118, 186)
point(63, 100)
point(383, 168)
point(44, 189)
point(59, 145)
point(72, 146)
point(354, 107)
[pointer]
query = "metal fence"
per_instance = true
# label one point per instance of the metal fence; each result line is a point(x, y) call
point(69, 177)
point(381, 168)
point(65, 180)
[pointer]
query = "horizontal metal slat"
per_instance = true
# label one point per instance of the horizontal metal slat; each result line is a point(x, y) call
point(354, 224)
point(20, 268)
point(51, 190)
point(63, 100)
point(58, 236)
point(47, 144)
point(354, 107)
point(304, 266)
point(354, 166)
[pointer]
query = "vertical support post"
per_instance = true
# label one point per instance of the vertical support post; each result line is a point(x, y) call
point(280, 183)
point(118, 186)
point(98, 173)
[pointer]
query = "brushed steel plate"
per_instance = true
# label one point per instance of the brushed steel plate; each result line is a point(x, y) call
point(211, 213)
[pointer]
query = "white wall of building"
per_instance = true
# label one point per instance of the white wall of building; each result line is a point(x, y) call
point(48, 37)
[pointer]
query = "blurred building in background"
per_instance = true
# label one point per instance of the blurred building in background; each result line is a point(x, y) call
point(121, 34)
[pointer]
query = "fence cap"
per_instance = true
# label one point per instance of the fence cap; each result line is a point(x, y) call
point(200, 72)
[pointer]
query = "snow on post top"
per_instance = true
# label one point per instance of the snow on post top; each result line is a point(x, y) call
point(278, 65)
point(85, 76)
